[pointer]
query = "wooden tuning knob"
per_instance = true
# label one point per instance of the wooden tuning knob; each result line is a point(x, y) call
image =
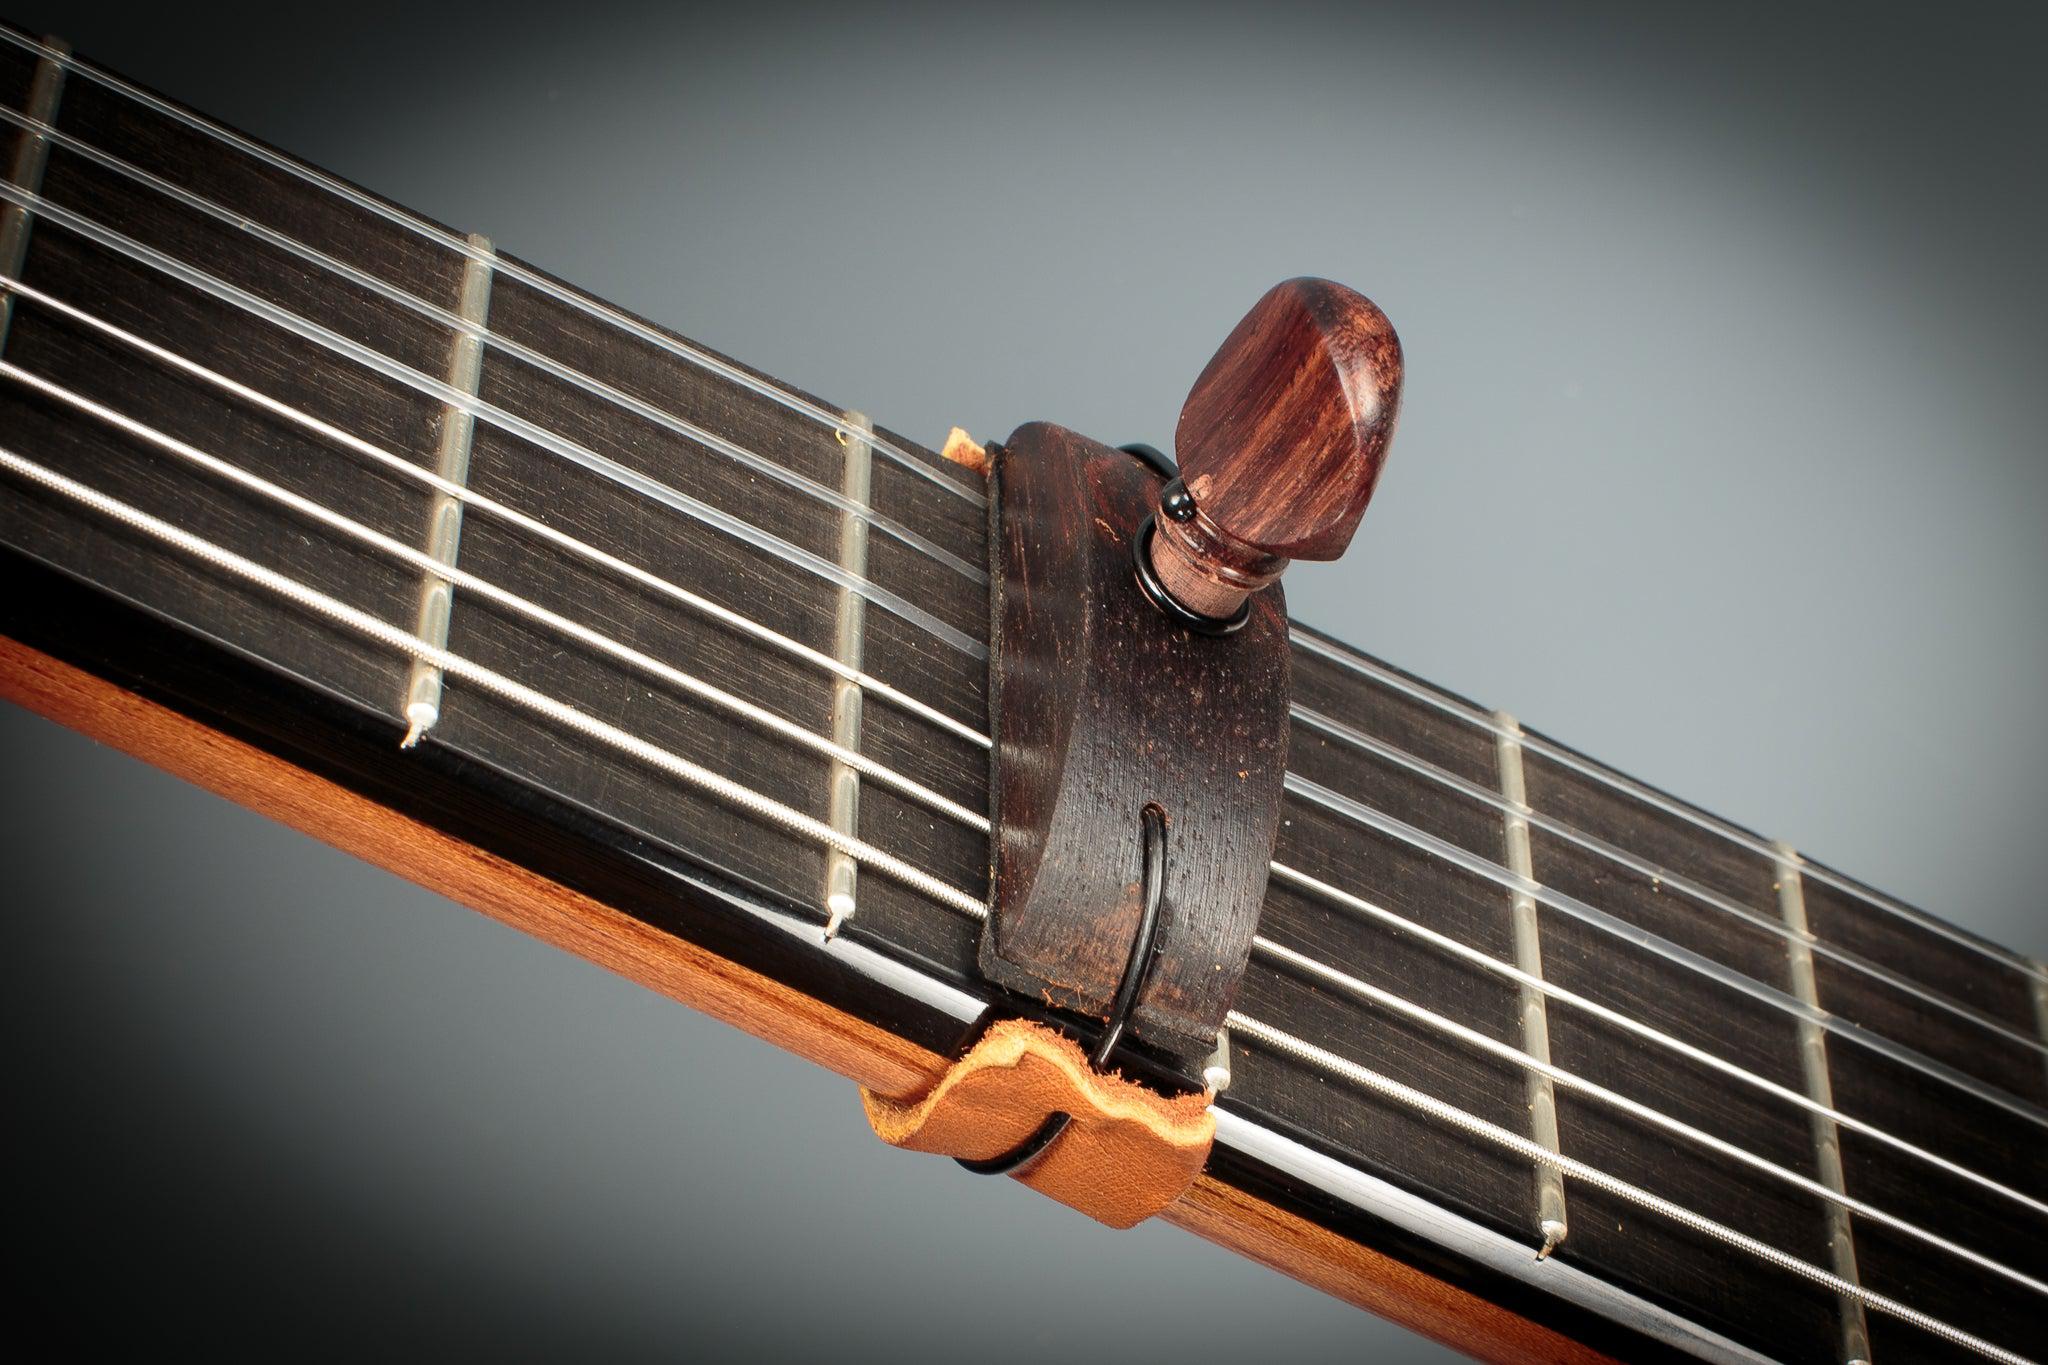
point(1280, 443)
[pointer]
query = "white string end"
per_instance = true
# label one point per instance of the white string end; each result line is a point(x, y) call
point(419, 718)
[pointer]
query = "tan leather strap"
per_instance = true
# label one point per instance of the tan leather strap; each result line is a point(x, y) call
point(1127, 1154)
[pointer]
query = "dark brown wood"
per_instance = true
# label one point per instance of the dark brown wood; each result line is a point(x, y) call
point(1103, 705)
point(1280, 443)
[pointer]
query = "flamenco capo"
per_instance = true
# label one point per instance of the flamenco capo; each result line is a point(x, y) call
point(1139, 649)
point(1139, 965)
point(1153, 828)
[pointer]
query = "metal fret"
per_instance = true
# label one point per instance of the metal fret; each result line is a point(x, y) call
point(842, 873)
point(444, 521)
point(2039, 987)
point(31, 154)
point(1550, 1210)
point(1813, 1063)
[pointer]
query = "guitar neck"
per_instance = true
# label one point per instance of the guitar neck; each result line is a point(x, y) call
point(386, 533)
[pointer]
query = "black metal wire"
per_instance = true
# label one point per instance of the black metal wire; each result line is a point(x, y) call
point(1172, 499)
point(1170, 606)
point(1162, 463)
point(1137, 967)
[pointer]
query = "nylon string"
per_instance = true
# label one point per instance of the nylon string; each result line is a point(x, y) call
point(497, 684)
point(1622, 930)
point(398, 464)
point(1650, 796)
point(1451, 1116)
point(767, 720)
point(489, 591)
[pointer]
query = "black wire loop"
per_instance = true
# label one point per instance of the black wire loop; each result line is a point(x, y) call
point(1173, 498)
point(1137, 967)
point(1162, 464)
point(1169, 605)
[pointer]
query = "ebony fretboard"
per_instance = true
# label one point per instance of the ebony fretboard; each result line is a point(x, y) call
point(1431, 851)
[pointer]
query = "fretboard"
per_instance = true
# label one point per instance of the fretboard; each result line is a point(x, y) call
point(415, 516)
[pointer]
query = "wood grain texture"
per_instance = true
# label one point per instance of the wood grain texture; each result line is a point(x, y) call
point(1380, 1284)
point(1103, 706)
point(1281, 442)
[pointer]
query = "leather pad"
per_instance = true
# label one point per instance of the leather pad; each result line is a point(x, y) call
point(1128, 1153)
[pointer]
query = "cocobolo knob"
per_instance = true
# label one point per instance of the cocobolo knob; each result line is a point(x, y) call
point(1280, 443)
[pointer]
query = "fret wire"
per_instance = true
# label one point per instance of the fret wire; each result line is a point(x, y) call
point(1479, 958)
point(444, 517)
point(526, 275)
point(507, 689)
point(369, 358)
point(1358, 739)
point(1267, 947)
point(1526, 925)
point(1571, 1166)
point(1361, 814)
point(568, 374)
point(1386, 1086)
point(1813, 1068)
point(492, 592)
point(849, 642)
point(1301, 963)
point(512, 516)
point(31, 155)
point(2040, 994)
point(1557, 753)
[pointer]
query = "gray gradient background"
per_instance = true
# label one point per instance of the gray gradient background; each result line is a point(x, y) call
point(1722, 459)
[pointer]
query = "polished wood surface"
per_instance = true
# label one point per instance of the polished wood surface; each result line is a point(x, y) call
point(1103, 706)
point(1280, 443)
